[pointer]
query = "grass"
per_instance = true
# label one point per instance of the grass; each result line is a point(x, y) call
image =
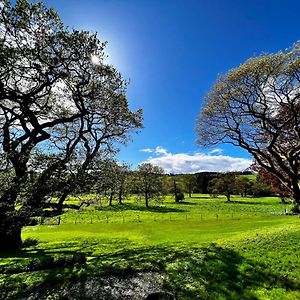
point(247, 249)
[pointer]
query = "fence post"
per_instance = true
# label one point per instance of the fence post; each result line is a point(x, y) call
point(75, 221)
point(106, 219)
point(58, 221)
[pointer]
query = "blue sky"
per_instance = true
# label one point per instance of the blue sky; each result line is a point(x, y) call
point(172, 52)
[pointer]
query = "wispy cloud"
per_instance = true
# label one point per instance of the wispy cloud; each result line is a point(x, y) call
point(147, 150)
point(199, 162)
point(161, 151)
point(158, 150)
point(216, 151)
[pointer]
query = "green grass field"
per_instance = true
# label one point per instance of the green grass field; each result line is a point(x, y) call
point(204, 248)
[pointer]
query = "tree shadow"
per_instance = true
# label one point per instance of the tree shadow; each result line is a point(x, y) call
point(206, 273)
point(211, 272)
point(136, 207)
point(250, 202)
point(186, 203)
point(201, 197)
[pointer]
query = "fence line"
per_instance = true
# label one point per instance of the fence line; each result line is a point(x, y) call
point(88, 219)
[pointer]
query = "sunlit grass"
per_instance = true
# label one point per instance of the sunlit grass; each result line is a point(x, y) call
point(247, 249)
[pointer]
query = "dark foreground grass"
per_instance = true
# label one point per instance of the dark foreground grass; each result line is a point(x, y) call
point(242, 258)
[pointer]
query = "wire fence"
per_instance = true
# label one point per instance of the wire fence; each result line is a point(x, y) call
point(96, 219)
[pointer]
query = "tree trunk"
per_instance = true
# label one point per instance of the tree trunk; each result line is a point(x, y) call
point(61, 201)
point(297, 203)
point(296, 193)
point(228, 197)
point(190, 191)
point(111, 198)
point(146, 199)
point(175, 192)
point(120, 195)
point(10, 237)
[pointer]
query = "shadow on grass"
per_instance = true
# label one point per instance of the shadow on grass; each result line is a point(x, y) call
point(202, 197)
point(205, 273)
point(250, 202)
point(186, 202)
point(136, 207)
point(211, 272)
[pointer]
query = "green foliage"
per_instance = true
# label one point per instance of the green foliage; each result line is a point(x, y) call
point(244, 185)
point(148, 183)
point(261, 187)
point(224, 184)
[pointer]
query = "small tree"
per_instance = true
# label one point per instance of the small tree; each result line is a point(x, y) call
point(274, 184)
point(173, 184)
point(190, 183)
point(243, 185)
point(261, 188)
point(178, 194)
point(148, 182)
point(224, 184)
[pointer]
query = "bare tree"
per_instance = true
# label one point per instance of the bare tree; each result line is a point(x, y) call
point(257, 107)
point(61, 107)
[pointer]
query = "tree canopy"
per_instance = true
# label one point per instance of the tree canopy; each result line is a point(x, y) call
point(60, 108)
point(148, 182)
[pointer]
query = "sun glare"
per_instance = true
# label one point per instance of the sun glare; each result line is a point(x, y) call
point(95, 59)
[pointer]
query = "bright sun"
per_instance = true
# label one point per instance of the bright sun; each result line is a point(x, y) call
point(95, 59)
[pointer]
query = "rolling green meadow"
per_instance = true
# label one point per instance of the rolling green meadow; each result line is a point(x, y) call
point(202, 248)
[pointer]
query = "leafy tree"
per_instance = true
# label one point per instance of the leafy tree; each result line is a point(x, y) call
point(58, 111)
point(256, 106)
point(273, 182)
point(190, 183)
point(224, 184)
point(148, 182)
point(174, 184)
point(261, 187)
point(178, 195)
point(243, 185)
point(108, 178)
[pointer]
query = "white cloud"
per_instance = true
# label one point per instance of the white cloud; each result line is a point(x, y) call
point(147, 150)
point(198, 162)
point(216, 151)
point(158, 150)
point(161, 151)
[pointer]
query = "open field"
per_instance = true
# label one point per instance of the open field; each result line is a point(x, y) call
point(201, 249)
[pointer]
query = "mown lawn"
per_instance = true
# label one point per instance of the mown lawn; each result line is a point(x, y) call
point(204, 248)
